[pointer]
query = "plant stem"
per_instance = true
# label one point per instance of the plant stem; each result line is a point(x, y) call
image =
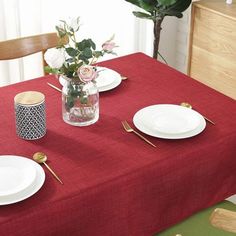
point(93, 60)
point(157, 31)
point(162, 58)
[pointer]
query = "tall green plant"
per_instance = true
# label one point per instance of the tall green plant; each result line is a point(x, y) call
point(156, 10)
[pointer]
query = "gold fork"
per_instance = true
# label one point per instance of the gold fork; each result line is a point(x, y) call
point(129, 129)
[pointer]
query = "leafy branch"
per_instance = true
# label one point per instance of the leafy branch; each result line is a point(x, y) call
point(157, 10)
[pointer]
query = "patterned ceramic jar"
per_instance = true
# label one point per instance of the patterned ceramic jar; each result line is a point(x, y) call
point(30, 115)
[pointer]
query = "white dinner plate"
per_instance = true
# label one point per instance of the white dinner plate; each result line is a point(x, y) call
point(169, 121)
point(16, 174)
point(107, 79)
point(28, 191)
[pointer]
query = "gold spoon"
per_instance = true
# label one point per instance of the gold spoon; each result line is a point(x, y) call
point(186, 104)
point(40, 157)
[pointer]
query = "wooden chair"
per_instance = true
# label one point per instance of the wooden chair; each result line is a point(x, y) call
point(224, 219)
point(21, 47)
point(219, 220)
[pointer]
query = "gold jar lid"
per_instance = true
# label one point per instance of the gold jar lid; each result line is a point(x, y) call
point(29, 98)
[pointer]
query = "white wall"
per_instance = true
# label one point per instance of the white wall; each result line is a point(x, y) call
point(182, 41)
point(100, 19)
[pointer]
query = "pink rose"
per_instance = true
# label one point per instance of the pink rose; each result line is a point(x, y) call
point(108, 46)
point(87, 73)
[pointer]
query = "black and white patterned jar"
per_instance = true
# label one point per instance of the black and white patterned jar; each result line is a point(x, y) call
point(30, 115)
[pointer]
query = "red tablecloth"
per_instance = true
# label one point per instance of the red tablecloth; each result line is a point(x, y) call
point(114, 183)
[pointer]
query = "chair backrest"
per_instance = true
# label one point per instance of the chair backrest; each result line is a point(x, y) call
point(224, 219)
point(21, 47)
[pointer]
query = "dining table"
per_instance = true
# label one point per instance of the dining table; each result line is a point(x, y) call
point(114, 183)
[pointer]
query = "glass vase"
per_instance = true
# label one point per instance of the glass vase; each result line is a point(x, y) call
point(80, 103)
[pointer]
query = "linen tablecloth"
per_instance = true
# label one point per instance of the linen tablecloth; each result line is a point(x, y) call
point(114, 183)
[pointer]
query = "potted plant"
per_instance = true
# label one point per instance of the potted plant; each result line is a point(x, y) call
point(156, 10)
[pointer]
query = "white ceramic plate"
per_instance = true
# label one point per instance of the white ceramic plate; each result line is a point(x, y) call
point(169, 121)
point(28, 191)
point(16, 174)
point(107, 79)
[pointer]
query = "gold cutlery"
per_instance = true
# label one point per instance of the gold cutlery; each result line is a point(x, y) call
point(129, 129)
point(40, 157)
point(53, 86)
point(186, 104)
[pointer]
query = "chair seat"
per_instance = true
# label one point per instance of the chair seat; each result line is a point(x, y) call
point(199, 224)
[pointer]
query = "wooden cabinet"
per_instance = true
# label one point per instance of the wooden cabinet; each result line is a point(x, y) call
point(212, 47)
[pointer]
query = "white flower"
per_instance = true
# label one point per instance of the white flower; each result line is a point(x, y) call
point(74, 24)
point(54, 58)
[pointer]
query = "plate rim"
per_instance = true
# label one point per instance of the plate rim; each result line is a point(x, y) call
point(111, 86)
point(162, 108)
point(101, 69)
point(157, 134)
point(30, 190)
point(114, 84)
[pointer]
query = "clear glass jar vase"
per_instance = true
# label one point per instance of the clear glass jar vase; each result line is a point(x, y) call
point(80, 103)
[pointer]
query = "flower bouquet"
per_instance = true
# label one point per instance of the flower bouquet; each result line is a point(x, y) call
point(74, 61)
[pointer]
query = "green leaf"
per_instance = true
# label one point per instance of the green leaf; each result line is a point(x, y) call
point(50, 70)
point(67, 70)
point(147, 5)
point(69, 102)
point(71, 52)
point(135, 2)
point(150, 2)
point(97, 54)
point(84, 59)
point(81, 45)
point(173, 13)
point(72, 67)
point(70, 60)
point(69, 74)
point(92, 44)
point(86, 43)
point(160, 8)
point(87, 52)
point(143, 15)
point(180, 6)
point(166, 2)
